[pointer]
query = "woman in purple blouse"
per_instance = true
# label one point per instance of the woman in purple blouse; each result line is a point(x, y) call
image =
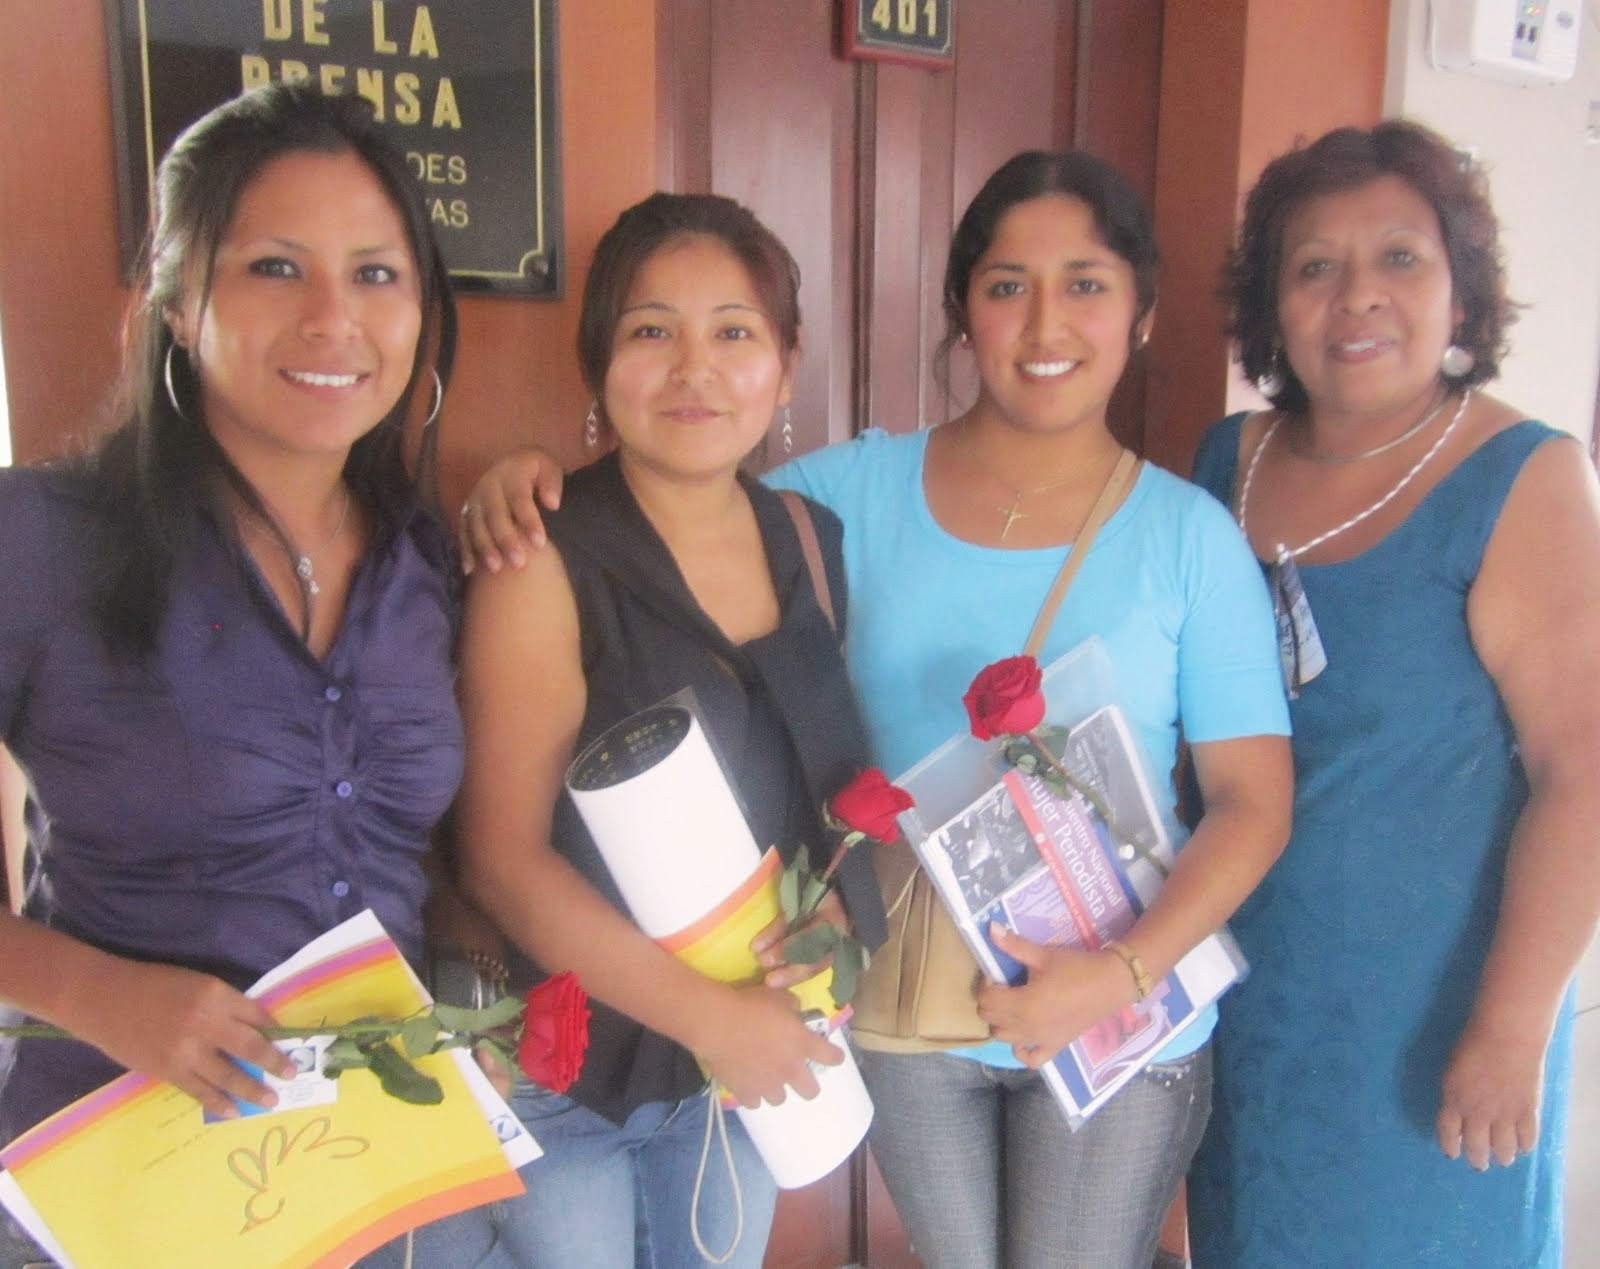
point(225, 635)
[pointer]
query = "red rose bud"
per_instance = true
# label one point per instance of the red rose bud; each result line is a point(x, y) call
point(555, 1033)
point(1005, 700)
point(869, 804)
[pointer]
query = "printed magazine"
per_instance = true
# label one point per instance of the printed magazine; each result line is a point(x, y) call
point(1046, 866)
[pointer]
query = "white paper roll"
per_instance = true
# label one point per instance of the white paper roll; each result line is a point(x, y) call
point(661, 812)
point(802, 1141)
point(658, 806)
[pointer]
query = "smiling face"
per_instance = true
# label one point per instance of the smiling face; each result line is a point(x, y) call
point(1365, 302)
point(697, 370)
point(1050, 314)
point(308, 336)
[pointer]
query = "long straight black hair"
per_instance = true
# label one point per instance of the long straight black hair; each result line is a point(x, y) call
point(161, 459)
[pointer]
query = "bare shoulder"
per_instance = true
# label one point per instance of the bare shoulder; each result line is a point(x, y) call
point(518, 607)
point(1541, 570)
point(1557, 480)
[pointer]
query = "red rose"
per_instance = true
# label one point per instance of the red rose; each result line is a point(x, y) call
point(1005, 700)
point(555, 1033)
point(869, 804)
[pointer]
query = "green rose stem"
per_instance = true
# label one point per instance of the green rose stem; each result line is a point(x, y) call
point(364, 1042)
point(799, 893)
point(1032, 742)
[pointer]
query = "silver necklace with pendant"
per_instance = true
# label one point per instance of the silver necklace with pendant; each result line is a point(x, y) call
point(1300, 649)
point(303, 567)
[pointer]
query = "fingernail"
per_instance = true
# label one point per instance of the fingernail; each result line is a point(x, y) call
point(492, 563)
point(518, 559)
point(466, 568)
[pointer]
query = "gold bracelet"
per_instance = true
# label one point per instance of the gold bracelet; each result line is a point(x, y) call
point(1142, 985)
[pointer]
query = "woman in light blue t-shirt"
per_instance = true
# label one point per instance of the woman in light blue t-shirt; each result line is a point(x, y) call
point(952, 537)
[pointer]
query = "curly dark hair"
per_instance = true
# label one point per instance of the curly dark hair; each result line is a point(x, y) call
point(1346, 159)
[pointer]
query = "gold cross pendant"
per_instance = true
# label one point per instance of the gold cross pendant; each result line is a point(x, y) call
point(1012, 515)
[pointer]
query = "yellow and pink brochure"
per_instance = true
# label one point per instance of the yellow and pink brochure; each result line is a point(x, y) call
point(136, 1165)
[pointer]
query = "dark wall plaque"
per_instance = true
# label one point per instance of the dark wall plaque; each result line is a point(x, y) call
point(467, 87)
point(917, 32)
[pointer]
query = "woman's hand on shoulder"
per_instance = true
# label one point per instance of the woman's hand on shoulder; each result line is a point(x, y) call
point(758, 1047)
point(1489, 1103)
point(184, 1028)
point(501, 519)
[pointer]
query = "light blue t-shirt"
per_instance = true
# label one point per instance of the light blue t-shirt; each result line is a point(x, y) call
point(1169, 586)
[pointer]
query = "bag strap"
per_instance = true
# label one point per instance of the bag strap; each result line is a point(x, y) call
point(811, 548)
point(1098, 515)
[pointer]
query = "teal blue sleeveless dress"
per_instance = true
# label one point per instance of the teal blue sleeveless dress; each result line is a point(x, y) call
point(1368, 937)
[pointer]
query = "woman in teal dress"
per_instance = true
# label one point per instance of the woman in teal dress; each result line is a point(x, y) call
point(1392, 1079)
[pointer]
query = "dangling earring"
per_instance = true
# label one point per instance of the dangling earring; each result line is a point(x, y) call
point(788, 430)
point(166, 375)
point(438, 400)
point(1271, 382)
point(1457, 362)
point(591, 426)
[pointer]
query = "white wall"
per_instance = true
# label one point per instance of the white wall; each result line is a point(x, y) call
point(1546, 185)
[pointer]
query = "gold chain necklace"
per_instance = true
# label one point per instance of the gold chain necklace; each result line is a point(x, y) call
point(1013, 511)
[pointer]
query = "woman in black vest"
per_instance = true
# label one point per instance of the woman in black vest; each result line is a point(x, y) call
point(672, 570)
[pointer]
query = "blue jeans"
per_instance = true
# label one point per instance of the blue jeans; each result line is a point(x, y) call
point(985, 1172)
point(606, 1197)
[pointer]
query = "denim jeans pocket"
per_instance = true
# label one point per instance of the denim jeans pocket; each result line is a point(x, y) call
point(534, 1104)
point(1173, 1073)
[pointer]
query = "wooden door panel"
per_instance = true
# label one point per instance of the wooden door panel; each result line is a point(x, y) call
point(771, 124)
point(934, 138)
point(811, 1229)
point(1006, 85)
point(892, 339)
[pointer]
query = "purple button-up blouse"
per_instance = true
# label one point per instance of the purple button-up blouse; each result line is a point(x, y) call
point(229, 800)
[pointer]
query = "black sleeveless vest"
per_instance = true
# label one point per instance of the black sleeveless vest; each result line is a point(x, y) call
point(779, 708)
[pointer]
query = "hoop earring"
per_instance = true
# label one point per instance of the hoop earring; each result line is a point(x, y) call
point(438, 400)
point(591, 426)
point(1457, 362)
point(788, 430)
point(166, 377)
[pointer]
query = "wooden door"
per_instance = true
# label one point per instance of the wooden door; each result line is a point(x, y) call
point(862, 168)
